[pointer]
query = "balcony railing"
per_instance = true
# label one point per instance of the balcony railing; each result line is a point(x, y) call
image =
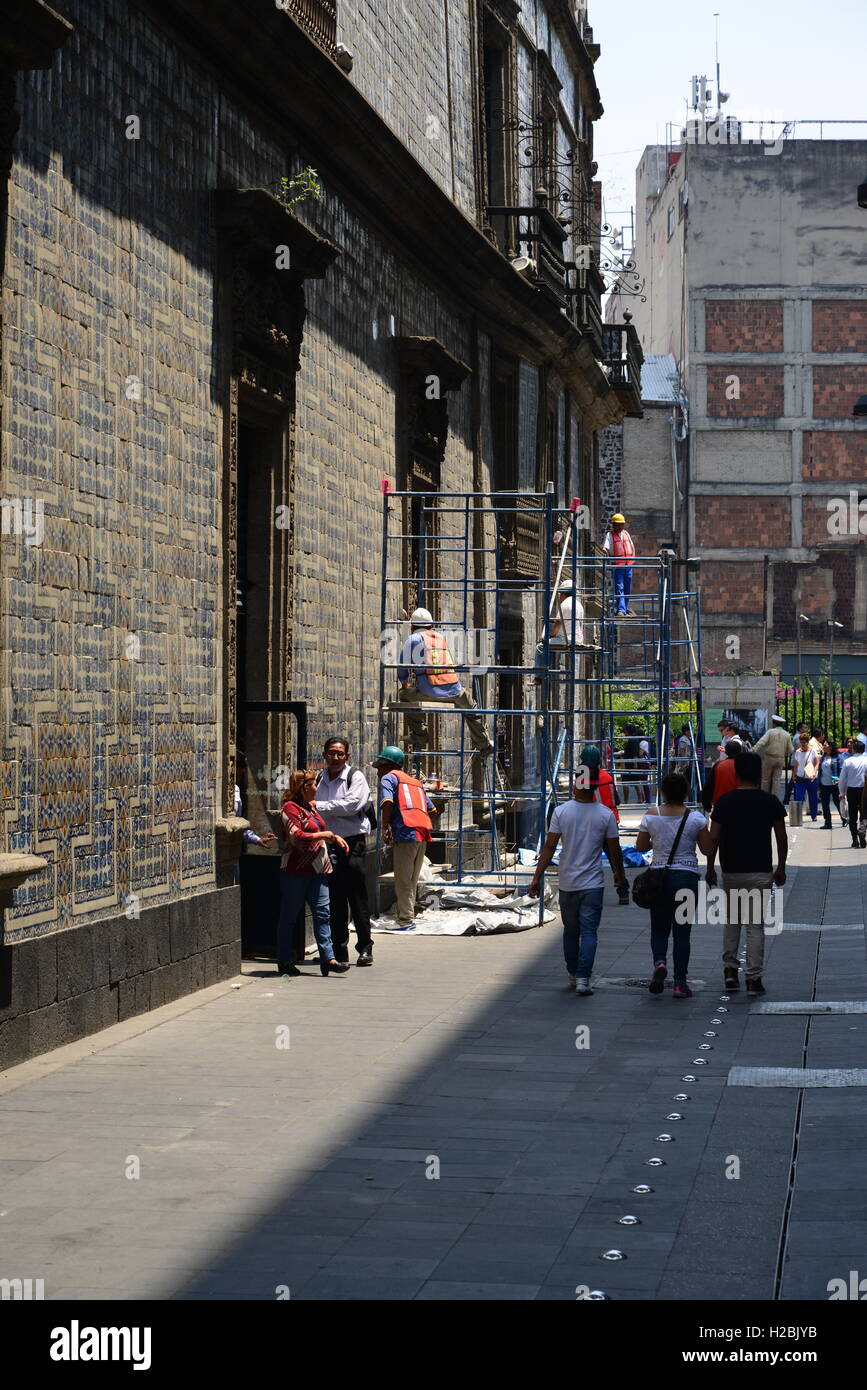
point(587, 298)
point(317, 17)
point(535, 232)
point(622, 355)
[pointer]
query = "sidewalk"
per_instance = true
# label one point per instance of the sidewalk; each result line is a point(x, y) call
point(313, 1167)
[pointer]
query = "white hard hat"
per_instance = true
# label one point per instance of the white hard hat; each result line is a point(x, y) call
point(420, 617)
point(564, 585)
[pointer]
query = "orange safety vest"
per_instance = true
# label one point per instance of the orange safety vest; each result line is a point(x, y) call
point(438, 658)
point(621, 547)
point(412, 802)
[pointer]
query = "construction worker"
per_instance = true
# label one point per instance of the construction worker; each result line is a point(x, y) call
point(561, 630)
point(618, 543)
point(775, 749)
point(427, 673)
point(405, 812)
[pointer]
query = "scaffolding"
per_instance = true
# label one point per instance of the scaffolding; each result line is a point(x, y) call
point(490, 567)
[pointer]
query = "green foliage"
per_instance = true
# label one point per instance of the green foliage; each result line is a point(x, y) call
point(632, 707)
point(303, 185)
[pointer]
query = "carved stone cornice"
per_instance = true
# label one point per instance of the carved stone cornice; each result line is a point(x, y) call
point(15, 869)
point(30, 34)
point(257, 218)
point(427, 356)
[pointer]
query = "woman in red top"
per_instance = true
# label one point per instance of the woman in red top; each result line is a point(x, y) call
point(305, 868)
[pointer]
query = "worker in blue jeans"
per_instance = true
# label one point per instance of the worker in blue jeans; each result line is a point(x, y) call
point(586, 827)
point(620, 546)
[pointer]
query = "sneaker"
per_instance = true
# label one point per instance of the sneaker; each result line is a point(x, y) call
point(573, 982)
point(681, 991)
point(756, 986)
point(731, 980)
point(657, 981)
point(582, 986)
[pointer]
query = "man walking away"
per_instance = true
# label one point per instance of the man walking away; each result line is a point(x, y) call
point(851, 785)
point(740, 831)
point(586, 827)
point(426, 658)
point(406, 825)
point(776, 751)
point(343, 801)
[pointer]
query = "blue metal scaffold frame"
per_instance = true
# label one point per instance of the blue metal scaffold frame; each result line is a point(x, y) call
point(575, 690)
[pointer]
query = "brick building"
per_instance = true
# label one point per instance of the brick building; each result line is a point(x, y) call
point(204, 382)
point(754, 258)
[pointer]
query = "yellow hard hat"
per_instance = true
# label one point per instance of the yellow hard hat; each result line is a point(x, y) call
point(618, 517)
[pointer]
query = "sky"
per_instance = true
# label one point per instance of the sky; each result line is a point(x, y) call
point(779, 59)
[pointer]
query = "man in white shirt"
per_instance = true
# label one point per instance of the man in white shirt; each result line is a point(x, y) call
point(342, 799)
point(568, 610)
point(587, 827)
point(851, 786)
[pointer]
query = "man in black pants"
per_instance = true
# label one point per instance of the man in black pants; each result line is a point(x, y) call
point(343, 800)
point(851, 786)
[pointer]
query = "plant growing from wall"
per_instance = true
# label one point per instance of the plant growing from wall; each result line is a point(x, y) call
point(292, 191)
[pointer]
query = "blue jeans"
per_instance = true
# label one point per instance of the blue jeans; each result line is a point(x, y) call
point(622, 586)
point(581, 912)
point(663, 922)
point(296, 890)
point(808, 786)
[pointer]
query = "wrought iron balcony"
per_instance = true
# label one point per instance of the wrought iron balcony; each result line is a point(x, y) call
point(586, 294)
point(318, 18)
point(535, 232)
point(622, 355)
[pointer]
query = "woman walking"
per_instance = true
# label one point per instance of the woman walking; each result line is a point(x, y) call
point(829, 775)
point(305, 869)
point(805, 765)
point(658, 831)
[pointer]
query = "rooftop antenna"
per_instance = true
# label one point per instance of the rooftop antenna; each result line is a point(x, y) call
point(721, 96)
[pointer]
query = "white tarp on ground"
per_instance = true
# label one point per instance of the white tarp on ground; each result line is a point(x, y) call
point(466, 910)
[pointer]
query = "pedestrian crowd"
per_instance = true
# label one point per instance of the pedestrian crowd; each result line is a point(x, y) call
point(742, 824)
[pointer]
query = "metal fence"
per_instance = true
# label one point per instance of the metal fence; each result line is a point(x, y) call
point(838, 712)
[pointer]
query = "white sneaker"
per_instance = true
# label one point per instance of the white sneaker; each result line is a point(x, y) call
point(582, 986)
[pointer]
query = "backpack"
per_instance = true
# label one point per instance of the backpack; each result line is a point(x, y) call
point(369, 810)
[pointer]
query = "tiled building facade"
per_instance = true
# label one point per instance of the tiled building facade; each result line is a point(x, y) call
point(203, 389)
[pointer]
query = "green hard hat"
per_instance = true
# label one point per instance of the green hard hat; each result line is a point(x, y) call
point(590, 755)
point(390, 755)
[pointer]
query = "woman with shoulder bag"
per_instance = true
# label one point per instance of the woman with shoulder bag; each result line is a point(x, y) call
point(672, 831)
point(305, 867)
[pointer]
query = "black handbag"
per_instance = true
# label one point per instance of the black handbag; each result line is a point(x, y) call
point(648, 889)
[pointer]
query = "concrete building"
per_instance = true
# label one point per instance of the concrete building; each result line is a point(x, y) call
point(207, 371)
point(755, 260)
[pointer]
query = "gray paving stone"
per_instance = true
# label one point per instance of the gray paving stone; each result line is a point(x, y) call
point(452, 1291)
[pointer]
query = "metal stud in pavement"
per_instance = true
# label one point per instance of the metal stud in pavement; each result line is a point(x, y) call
point(612, 1255)
point(642, 1189)
point(628, 1221)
